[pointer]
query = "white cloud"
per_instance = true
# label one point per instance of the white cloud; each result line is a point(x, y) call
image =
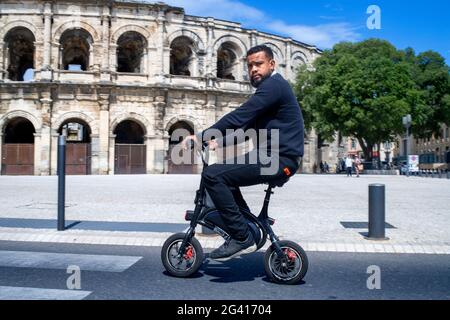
point(221, 9)
point(321, 35)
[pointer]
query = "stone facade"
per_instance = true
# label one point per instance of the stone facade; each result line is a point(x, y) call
point(103, 62)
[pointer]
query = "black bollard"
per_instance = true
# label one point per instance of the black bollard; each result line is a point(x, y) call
point(376, 212)
point(61, 182)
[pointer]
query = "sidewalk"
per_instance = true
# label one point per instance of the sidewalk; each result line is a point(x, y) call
point(321, 212)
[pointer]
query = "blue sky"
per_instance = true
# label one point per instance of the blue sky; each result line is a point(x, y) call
point(422, 25)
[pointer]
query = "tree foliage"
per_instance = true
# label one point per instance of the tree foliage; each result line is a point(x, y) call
point(364, 89)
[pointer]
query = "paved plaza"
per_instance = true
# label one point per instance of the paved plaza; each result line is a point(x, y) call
point(322, 212)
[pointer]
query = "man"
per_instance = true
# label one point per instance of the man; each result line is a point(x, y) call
point(272, 107)
point(349, 165)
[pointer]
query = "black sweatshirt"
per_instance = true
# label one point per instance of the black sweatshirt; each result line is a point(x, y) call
point(273, 106)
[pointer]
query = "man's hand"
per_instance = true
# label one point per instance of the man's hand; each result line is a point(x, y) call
point(212, 144)
point(186, 140)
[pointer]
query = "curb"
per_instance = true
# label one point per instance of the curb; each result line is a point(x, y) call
point(157, 239)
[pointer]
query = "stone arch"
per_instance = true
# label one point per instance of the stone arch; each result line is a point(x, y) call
point(20, 23)
point(76, 115)
point(135, 28)
point(236, 65)
point(193, 122)
point(20, 114)
point(277, 53)
point(297, 58)
point(70, 25)
point(234, 40)
point(131, 52)
point(140, 119)
point(199, 45)
point(20, 53)
point(299, 55)
point(174, 153)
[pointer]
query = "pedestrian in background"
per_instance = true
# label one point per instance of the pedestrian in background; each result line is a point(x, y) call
point(357, 166)
point(349, 165)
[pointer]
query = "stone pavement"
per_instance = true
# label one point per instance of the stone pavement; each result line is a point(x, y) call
point(321, 212)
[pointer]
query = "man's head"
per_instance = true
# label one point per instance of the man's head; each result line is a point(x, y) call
point(260, 64)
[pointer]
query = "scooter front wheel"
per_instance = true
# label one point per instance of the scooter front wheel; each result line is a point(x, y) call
point(188, 263)
point(290, 268)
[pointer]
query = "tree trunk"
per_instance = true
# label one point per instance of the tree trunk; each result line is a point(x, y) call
point(367, 149)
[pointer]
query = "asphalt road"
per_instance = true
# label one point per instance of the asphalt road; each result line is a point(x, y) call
point(33, 270)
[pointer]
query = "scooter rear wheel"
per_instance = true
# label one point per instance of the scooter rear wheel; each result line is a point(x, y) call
point(188, 263)
point(289, 269)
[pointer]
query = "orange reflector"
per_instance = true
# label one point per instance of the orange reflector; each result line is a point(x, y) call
point(287, 171)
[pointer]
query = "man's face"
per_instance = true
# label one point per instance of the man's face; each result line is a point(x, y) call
point(260, 67)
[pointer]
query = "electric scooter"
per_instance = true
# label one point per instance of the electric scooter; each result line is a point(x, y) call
point(285, 261)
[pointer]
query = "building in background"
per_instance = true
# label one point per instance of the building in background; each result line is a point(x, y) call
point(118, 77)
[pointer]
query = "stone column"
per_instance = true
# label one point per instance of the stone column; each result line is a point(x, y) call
point(2, 58)
point(95, 153)
point(288, 57)
point(105, 75)
point(161, 151)
point(47, 35)
point(150, 153)
point(54, 151)
point(152, 56)
point(91, 57)
point(104, 139)
point(161, 50)
point(253, 38)
point(145, 63)
point(44, 143)
point(6, 65)
point(1, 150)
point(45, 150)
point(111, 153)
point(113, 57)
point(242, 72)
point(60, 57)
point(209, 50)
point(39, 155)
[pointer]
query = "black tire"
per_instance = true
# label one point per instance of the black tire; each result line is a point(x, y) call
point(189, 263)
point(296, 267)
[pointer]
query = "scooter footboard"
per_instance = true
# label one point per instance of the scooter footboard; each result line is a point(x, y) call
point(214, 218)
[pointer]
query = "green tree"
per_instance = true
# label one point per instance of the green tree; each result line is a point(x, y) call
point(364, 89)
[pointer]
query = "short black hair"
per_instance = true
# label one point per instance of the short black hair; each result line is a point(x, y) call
point(256, 49)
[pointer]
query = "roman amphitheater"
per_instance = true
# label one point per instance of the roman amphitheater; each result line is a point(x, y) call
point(117, 78)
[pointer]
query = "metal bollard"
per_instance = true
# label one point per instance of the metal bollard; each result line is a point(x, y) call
point(376, 212)
point(448, 174)
point(61, 182)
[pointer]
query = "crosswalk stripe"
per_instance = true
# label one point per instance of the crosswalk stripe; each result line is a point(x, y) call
point(50, 260)
point(23, 293)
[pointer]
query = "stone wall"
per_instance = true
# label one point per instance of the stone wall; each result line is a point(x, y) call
point(101, 98)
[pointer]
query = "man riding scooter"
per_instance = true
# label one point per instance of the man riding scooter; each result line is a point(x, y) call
point(272, 107)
